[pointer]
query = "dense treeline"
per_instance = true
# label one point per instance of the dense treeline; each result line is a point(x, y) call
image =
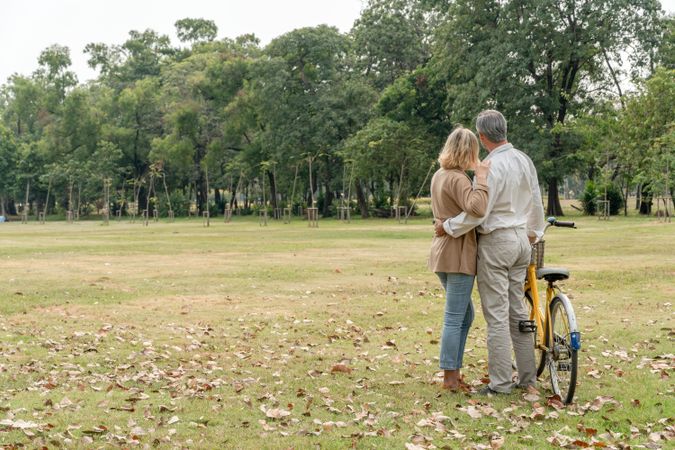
point(318, 116)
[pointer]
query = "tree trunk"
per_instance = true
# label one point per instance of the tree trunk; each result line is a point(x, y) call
point(624, 192)
point(273, 188)
point(646, 205)
point(638, 196)
point(233, 195)
point(202, 194)
point(11, 206)
point(25, 205)
point(394, 197)
point(328, 200)
point(219, 204)
point(49, 188)
point(312, 183)
point(2, 205)
point(646, 200)
point(361, 198)
point(79, 198)
point(553, 207)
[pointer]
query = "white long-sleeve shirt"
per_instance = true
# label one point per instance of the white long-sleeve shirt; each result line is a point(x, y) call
point(514, 200)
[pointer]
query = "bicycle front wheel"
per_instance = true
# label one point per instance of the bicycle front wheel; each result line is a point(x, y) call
point(562, 358)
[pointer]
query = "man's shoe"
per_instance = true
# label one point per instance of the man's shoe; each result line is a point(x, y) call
point(489, 392)
point(529, 388)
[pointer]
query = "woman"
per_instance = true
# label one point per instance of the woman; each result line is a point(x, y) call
point(454, 259)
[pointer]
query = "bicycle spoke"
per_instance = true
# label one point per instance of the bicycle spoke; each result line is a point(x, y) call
point(563, 358)
point(554, 375)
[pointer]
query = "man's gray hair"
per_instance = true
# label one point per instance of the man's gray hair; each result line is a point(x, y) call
point(491, 124)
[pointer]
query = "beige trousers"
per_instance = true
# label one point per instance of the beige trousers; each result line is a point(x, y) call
point(503, 257)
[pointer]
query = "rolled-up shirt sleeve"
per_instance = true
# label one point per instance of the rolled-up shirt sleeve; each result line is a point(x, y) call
point(463, 223)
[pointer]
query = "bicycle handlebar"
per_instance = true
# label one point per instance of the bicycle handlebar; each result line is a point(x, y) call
point(564, 224)
point(552, 221)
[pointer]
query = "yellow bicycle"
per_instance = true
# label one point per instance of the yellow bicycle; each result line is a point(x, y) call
point(557, 336)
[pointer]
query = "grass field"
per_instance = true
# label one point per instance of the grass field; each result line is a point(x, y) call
point(241, 336)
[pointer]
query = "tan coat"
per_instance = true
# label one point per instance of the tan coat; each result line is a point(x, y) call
point(451, 194)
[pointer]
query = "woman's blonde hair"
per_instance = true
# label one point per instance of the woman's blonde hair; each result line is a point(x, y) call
point(460, 150)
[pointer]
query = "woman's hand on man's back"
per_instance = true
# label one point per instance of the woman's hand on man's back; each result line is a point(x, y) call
point(482, 170)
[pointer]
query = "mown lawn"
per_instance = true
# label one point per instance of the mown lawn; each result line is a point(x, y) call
point(241, 336)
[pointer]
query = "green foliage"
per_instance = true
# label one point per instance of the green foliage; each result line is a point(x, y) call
point(196, 30)
point(667, 49)
point(391, 39)
point(528, 59)
point(589, 198)
point(615, 199)
point(53, 71)
point(418, 99)
point(593, 192)
point(23, 112)
point(649, 128)
point(394, 156)
point(367, 109)
point(8, 161)
point(180, 204)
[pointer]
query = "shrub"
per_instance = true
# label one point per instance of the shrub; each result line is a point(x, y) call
point(592, 193)
point(588, 198)
point(179, 204)
point(615, 199)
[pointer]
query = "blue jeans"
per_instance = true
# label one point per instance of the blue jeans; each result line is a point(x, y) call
point(458, 317)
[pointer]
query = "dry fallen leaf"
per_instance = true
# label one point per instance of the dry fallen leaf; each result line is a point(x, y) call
point(18, 424)
point(277, 413)
point(340, 368)
point(497, 442)
point(172, 420)
point(531, 397)
point(555, 401)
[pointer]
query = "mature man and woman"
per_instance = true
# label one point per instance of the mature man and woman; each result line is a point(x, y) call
point(484, 229)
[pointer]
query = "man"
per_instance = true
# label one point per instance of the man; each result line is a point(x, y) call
point(514, 219)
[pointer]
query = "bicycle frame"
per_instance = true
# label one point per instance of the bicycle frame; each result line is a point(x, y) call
point(535, 313)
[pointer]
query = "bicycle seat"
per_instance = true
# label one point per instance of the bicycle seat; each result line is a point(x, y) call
point(553, 273)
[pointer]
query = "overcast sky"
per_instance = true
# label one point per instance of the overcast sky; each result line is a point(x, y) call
point(29, 26)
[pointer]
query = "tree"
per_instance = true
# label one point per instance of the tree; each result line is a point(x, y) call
point(24, 110)
point(8, 155)
point(293, 99)
point(140, 56)
point(197, 90)
point(667, 49)
point(648, 124)
point(196, 30)
point(391, 38)
point(54, 62)
point(393, 157)
point(540, 62)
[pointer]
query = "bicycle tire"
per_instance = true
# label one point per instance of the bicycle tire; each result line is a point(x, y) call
point(539, 354)
point(563, 359)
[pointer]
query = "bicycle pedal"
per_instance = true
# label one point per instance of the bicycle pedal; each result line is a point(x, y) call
point(527, 326)
point(564, 367)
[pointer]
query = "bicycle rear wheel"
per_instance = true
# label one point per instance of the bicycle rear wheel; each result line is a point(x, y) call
point(562, 359)
point(539, 354)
